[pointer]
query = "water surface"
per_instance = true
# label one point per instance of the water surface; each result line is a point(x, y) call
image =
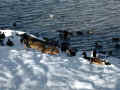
point(45, 17)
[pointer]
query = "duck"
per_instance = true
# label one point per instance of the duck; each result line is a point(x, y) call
point(32, 42)
point(64, 35)
point(9, 43)
point(95, 60)
point(90, 32)
point(14, 24)
point(98, 46)
point(2, 35)
point(102, 52)
point(115, 39)
point(64, 46)
point(77, 33)
point(51, 41)
point(71, 52)
point(2, 38)
point(117, 46)
point(110, 52)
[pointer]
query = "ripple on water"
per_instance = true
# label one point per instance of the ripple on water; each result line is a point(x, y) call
point(35, 16)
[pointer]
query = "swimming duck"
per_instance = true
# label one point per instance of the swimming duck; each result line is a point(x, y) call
point(79, 32)
point(117, 46)
point(64, 34)
point(14, 24)
point(90, 32)
point(50, 41)
point(97, 46)
point(110, 53)
point(115, 39)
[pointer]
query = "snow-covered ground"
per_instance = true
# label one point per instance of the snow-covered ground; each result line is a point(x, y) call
point(28, 69)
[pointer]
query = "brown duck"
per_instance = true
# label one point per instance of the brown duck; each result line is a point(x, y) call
point(95, 60)
point(51, 50)
point(32, 42)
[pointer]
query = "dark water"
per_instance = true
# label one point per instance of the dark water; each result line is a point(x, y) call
point(44, 17)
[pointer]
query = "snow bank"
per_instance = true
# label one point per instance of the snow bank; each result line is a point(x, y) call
point(28, 69)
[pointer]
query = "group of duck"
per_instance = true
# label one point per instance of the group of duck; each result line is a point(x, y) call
point(93, 60)
point(48, 46)
point(54, 47)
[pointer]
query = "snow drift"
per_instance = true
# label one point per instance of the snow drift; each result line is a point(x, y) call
point(29, 69)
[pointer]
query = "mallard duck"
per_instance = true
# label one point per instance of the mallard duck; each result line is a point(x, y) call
point(64, 34)
point(9, 43)
point(79, 33)
point(95, 60)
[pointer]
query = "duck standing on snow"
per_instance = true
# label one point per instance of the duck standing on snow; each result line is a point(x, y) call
point(64, 43)
point(2, 37)
point(32, 42)
point(71, 52)
point(65, 47)
point(9, 43)
point(95, 60)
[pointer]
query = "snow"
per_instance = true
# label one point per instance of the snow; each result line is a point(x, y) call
point(28, 69)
